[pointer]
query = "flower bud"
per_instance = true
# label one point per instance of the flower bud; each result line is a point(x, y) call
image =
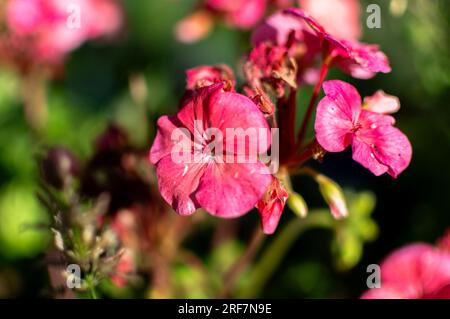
point(207, 75)
point(298, 205)
point(333, 195)
point(271, 206)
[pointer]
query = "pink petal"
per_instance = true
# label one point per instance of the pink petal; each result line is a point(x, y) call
point(363, 154)
point(371, 120)
point(385, 292)
point(386, 145)
point(276, 29)
point(224, 5)
point(345, 96)
point(365, 60)
point(177, 182)
point(163, 144)
point(306, 17)
point(231, 190)
point(195, 108)
point(247, 15)
point(336, 115)
point(382, 103)
point(340, 18)
point(332, 126)
point(236, 111)
point(443, 293)
point(418, 270)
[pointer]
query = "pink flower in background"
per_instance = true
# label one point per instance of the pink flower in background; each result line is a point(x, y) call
point(222, 188)
point(277, 28)
point(124, 225)
point(271, 206)
point(382, 103)
point(50, 29)
point(376, 143)
point(360, 60)
point(239, 13)
point(416, 271)
point(207, 75)
point(194, 27)
point(340, 17)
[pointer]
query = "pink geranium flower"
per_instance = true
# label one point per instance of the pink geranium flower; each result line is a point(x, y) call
point(276, 29)
point(339, 17)
point(49, 29)
point(360, 60)
point(222, 187)
point(207, 75)
point(417, 271)
point(376, 143)
point(239, 13)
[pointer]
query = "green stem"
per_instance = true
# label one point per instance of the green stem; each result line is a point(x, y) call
point(236, 269)
point(93, 292)
point(273, 255)
point(323, 74)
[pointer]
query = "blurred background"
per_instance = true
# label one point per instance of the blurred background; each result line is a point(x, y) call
point(95, 92)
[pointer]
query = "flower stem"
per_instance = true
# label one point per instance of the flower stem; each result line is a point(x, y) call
point(323, 73)
point(278, 248)
point(298, 159)
point(93, 292)
point(238, 267)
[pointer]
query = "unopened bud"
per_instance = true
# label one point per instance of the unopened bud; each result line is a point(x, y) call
point(298, 205)
point(333, 195)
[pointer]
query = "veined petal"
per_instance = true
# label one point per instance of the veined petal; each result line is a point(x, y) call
point(195, 108)
point(236, 113)
point(363, 153)
point(365, 60)
point(336, 115)
point(333, 126)
point(231, 190)
point(177, 182)
point(387, 145)
point(163, 144)
point(345, 96)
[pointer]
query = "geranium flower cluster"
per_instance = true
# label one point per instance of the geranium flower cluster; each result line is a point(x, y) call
point(291, 49)
point(342, 17)
point(45, 31)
